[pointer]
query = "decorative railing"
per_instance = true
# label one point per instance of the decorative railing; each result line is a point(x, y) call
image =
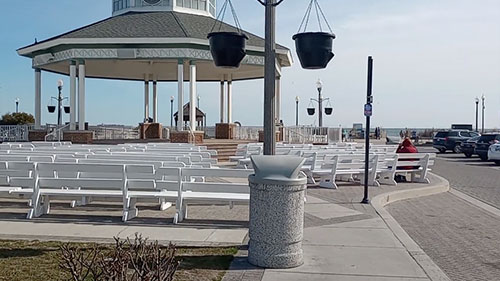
point(115, 133)
point(13, 133)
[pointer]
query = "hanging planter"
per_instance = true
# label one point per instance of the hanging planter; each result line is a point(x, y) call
point(328, 108)
point(67, 109)
point(314, 49)
point(51, 108)
point(228, 48)
point(310, 108)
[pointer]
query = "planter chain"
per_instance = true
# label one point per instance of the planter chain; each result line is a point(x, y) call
point(222, 13)
point(305, 19)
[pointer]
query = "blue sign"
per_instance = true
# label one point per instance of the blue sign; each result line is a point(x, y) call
point(368, 109)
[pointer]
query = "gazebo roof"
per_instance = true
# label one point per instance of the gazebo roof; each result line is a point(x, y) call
point(185, 110)
point(134, 40)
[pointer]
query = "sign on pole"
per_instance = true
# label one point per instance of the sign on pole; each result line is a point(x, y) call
point(368, 109)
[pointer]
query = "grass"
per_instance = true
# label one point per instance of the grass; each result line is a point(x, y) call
point(35, 260)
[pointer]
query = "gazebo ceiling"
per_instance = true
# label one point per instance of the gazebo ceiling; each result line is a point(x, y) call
point(134, 44)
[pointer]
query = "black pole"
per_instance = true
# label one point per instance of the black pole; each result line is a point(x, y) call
point(477, 113)
point(59, 101)
point(366, 200)
point(320, 107)
point(171, 113)
point(270, 79)
point(482, 127)
point(17, 106)
point(296, 113)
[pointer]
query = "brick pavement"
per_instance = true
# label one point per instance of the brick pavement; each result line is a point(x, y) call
point(470, 175)
point(461, 238)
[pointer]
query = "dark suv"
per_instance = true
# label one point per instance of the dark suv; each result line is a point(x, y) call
point(483, 144)
point(451, 140)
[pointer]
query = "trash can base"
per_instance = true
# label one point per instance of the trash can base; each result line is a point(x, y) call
point(288, 260)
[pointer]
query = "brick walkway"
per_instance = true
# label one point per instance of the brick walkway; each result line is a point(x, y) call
point(459, 237)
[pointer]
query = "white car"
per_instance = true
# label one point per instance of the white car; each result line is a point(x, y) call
point(494, 153)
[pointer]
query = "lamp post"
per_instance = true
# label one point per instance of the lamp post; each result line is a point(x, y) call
point(477, 113)
point(482, 126)
point(320, 100)
point(368, 113)
point(59, 102)
point(319, 86)
point(171, 111)
point(17, 105)
point(297, 111)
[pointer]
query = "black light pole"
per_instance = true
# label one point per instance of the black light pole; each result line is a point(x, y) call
point(171, 111)
point(297, 111)
point(59, 103)
point(368, 113)
point(17, 105)
point(482, 127)
point(319, 86)
point(477, 113)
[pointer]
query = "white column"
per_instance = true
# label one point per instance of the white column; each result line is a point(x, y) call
point(72, 95)
point(222, 93)
point(155, 103)
point(81, 96)
point(278, 99)
point(230, 100)
point(192, 95)
point(146, 99)
point(180, 95)
point(38, 98)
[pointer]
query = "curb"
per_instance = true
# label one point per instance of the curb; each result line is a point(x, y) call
point(379, 202)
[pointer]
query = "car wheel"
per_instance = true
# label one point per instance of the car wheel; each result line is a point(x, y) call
point(468, 155)
point(457, 149)
point(442, 150)
point(483, 157)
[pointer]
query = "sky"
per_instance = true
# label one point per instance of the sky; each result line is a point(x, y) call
point(431, 59)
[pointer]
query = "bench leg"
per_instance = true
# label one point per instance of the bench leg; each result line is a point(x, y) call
point(164, 205)
point(130, 209)
point(36, 207)
point(387, 178)
point(46, 205)
point(231, 205)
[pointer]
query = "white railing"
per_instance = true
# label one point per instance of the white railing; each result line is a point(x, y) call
point(56, 133)
point(305, 134)
point(14, 133)
point(247, 133)
point(115, 133)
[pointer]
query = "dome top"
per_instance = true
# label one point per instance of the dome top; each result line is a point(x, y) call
point(197, 7)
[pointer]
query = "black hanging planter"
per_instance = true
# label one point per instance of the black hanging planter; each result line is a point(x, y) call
point(314, 49)
point(228, 48)
point(328, 110)
point(311, 110)
point(51, 108)
point(67, 109)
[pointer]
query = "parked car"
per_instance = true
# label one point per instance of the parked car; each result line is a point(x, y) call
point(484, 143)
point(494, 153)
point(468, 146)
point(451, 140)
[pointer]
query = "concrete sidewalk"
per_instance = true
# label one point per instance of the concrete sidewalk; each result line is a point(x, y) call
point(344, 240)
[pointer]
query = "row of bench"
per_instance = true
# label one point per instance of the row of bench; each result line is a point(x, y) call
point(129, 183)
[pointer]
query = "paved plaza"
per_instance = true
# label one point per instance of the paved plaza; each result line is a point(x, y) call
point(460, 237)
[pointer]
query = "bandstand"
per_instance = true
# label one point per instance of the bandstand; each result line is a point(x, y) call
point(151, 41)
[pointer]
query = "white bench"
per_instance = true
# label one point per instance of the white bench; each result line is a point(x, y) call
point(415, 164)
point(344, 166)
point(77, 181)
point(220, 191)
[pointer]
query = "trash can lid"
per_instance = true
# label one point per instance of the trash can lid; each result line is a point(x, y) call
point(277, 167)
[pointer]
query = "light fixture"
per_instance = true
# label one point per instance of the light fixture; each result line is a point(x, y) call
point(60, 83)
point(297, 98)
point(319, 85)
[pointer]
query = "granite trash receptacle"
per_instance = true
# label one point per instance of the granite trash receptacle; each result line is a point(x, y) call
point(277, 191)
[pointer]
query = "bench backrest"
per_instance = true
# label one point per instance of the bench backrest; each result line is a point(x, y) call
point(216, 180)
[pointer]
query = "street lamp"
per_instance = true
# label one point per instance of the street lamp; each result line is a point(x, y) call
point(482, 127)
point(17, 105)
point(320, 100)
point(59, 100)
point(171, 111)
point(477, 113)
point(297, 111)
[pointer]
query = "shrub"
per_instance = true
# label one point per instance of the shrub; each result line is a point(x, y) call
point(127, 260)
point(20, 118)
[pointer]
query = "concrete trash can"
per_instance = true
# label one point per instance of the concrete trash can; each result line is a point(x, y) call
point(277, 191)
